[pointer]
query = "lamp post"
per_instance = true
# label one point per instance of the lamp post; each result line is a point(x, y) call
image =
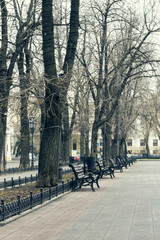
point(32, 126)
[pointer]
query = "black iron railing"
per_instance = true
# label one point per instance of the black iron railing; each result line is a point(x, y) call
point(17, 182)
point(18, 170)
point(22, 204)
point(20, 181)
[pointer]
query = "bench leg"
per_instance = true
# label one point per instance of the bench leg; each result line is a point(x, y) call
point(92, 187)
point(97, 183)
point(80, 183)
point(111, 175)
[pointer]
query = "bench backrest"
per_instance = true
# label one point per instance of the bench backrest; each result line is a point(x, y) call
point(111, 162)
point(100, 163)
point(119, 161)
point(77, 170)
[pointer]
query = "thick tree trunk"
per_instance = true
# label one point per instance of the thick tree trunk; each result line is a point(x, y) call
point(50, 139)
point(51, 130)
point(56, 91)
point(49, 152)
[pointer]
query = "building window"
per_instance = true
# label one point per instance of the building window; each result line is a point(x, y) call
point(155, 142)
point(129, 142)
point(142, 142)
point(74, 144)
point(155, 152)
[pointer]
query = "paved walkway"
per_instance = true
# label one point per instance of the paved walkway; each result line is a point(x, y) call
point(125, 208)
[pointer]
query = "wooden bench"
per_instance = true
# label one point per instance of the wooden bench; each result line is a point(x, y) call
point(121, 161)
point(131, 160)
point(104, 170)
point(82, 179)
point(115, 166)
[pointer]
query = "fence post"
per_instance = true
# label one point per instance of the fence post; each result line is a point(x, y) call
point(41, 195)
point(5, 183)
point(50, 192)
point(31, 199)
point(72, 184)
point(12, 182)
point(31, 178)
point(19, 180)
point(19, 203)
point(2, 209)
point(56, 190)
point(62, 186)
point(68, 184)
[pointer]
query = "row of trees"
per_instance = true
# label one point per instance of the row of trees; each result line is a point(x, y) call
point(74, 63)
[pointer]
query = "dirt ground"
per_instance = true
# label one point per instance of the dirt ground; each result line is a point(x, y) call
point(10, 194)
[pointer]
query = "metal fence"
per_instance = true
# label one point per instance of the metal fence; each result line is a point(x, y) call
point(18, 170)
point(17, 182)
point(20, 181)
point(22, 204)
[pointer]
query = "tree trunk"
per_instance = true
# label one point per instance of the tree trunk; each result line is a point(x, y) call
point(94, 140)
point(65, 135)
point(108, 144)
point(122, 147)
point(4, 84)
point(49, 152)
point(147, 144)
point(24, 160)
point(2, 140)
point(56, 91)
point(65, 146)
point(114, 148)
point(82, 141)
point(87, 144)
point(115, 139)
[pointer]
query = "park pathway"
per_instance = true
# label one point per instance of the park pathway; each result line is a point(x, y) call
point(125, 208)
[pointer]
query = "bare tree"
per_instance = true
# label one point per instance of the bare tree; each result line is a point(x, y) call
point(26, 28)
point(56, 90)
point(6, 71)
point(123, 54)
